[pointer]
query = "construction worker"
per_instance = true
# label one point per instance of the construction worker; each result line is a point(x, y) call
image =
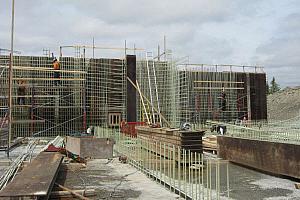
point(222, 102)
point(56, 75)
point(244, 122)
point(90, 131)
point(21, 92)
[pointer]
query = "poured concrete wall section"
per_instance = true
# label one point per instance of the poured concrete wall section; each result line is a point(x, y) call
point(90, 147)
point(272, 157)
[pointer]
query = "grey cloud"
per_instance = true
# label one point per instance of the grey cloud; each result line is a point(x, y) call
point(280, 54)
point(209, 31)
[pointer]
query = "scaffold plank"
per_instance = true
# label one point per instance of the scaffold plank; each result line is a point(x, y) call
point(27, 121)
point(239, 82)
point(219, 88)
point(50, 79)
point(36, 180)
point(43, 69)
point(35, 96)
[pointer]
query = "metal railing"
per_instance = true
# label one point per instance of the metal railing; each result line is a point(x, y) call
point(189, 174)
point(262, 131)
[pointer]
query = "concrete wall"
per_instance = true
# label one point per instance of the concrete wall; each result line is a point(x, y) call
point(90, 147)
point(272, 157)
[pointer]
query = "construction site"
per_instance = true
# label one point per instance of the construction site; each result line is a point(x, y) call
point(143, 125)
point(180, 124)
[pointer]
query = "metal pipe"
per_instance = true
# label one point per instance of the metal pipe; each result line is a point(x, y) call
point(11, 77)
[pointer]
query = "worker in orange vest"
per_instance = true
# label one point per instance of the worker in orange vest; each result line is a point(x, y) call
point(56, 66)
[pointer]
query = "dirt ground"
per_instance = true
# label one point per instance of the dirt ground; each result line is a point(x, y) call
point(284, 104)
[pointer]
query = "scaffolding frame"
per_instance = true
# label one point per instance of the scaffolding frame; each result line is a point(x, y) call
point(93, 93)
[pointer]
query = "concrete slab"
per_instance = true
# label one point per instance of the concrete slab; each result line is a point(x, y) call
point(114, 180)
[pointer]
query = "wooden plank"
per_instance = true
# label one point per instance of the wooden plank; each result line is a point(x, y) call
point(50, 79)
point(36, 179)
point(44, 69)
point(238, 82)
point(71, 191)
point(67, 194)
point(27, 121)
point(42, 106)
point(219, 88)
point(189, 140)
point(29, 96)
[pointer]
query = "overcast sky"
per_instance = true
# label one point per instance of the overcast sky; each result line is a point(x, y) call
point(242, 32)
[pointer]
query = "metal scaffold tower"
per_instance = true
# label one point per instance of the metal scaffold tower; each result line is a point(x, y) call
point(45, 108)
point(159, 82)
point(93, 92)
point(218, 92)
point(89, 92)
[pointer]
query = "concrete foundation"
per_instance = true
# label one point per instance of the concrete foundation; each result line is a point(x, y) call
point(272, 157)
point(90, 147)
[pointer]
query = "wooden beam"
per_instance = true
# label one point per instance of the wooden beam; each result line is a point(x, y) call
point(169, 125)
point(219, 88)
point(47, 106)
point(50, 79)
point(71, 191)
point(65, 86)
point(46, 69)
point(67, 194)
point(27, 121)
point(238, 82)
point(104, 48)
point(28, 96)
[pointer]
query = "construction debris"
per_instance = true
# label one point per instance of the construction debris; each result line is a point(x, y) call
point(72, 192)
point(69, 194)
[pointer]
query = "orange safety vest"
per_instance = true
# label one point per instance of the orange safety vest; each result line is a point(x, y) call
point(56, 65)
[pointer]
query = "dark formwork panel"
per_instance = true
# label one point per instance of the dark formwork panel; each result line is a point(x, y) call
point(131, 91)
point(258, 96)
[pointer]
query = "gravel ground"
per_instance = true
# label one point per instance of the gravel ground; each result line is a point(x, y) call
point(284, 104)
point(247, 184)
